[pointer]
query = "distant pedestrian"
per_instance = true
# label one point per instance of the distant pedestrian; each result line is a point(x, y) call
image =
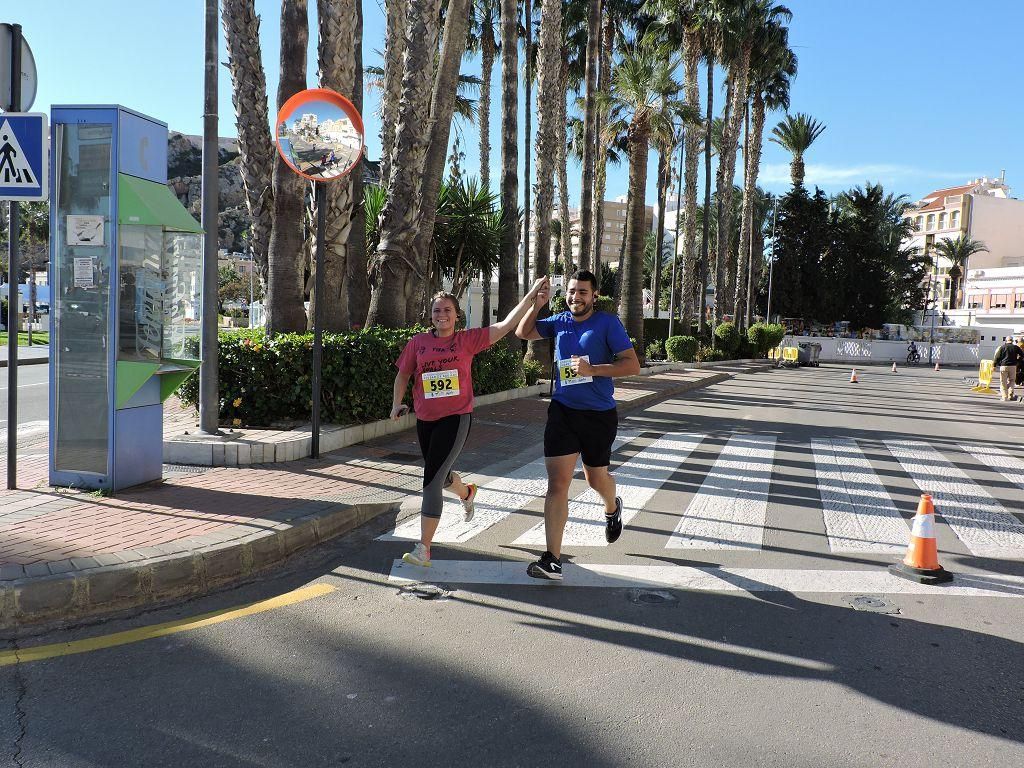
point(440, 363)
point(331, 160)
point(1007, 358)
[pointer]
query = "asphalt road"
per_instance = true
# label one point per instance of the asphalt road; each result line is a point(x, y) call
point(509, 674)
point(33, 394)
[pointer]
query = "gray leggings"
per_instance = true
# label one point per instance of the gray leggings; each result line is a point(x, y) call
point(441, 443)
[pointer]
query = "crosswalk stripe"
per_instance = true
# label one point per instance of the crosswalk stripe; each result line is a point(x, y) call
point(495, 501)
point(729, 509)
point(637, 480)
point(858, 513)
point(978, 520)
point(1008, 466)
point(710, 579)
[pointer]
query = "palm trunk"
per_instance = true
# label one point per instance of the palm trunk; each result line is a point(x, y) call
point(796, 170)
point(587, 247)
point(285, 311)
point(746, 254)
point(336, 53)
point(601, 158)
point(487, 52)
point(508, 272)
point(738, 77)
point(396, 275)
point(442, 105)
point(394, 68)
point(631, 268)
point(527, 128)
point(357, 288)
point(664, 179)
point(705, 255)
point(691, 269)
point(563, 170)
point(549, 90)
point(249, 97)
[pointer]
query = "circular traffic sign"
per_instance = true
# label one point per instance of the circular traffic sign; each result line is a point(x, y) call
point(29, 80)
point(319, 134)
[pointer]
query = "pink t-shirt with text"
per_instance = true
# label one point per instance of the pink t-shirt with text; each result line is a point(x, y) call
point(441, 371)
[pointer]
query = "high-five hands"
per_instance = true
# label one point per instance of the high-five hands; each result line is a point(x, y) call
point(540, 291)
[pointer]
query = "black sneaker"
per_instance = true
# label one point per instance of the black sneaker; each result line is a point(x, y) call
point(548, 567)
point(613, 522)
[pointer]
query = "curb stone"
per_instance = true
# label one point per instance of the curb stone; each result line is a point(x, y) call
point(35, 604)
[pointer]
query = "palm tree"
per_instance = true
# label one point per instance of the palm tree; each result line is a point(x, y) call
point(549, 137)
point(485, 17)
point(642, 97)
point(337, 54)
point(589, 133)
point(394, 49)
point(773, 65)
point(508, 272)
point(958, 252)
point(284, 300)
point(795, 135)
point(249, 96)
point(745, 20)
point(395, 274)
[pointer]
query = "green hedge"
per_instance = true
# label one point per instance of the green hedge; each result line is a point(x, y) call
point(264, 380)
point(765, 336)
point(728, 337)
point(681, 349)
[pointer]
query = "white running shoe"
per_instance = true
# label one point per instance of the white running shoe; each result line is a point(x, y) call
point(468, 510)
point(420, 556)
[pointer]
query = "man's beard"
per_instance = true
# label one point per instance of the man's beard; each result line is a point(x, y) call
point(580, 312)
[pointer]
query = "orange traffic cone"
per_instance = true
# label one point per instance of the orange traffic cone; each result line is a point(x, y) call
point(921, 563)
point(894, 367)
point(853, 376)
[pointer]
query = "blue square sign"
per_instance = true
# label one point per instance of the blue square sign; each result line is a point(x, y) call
point(23, 156)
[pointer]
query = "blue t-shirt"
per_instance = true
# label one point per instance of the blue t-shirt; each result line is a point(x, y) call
point(600, 338)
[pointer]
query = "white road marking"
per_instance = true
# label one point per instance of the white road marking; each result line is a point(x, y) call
point(637, 480)
point(729, 510)
point(977, 519)
point(495, 501)
point(1007, 465)
point(859, 514)
point(752, 580)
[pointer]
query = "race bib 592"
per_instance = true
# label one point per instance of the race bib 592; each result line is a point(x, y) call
point(568, 377)
point(440, 384)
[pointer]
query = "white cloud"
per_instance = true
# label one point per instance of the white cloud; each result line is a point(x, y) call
point(827, 175)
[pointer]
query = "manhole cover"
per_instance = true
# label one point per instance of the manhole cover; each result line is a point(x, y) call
point(425, 592)
point(651, 596)
point(872, 604)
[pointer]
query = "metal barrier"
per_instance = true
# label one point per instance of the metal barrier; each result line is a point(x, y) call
point(984, 378)
point(790, 356)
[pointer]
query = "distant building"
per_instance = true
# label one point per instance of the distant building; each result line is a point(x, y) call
point(992, 290)
point(613, 229)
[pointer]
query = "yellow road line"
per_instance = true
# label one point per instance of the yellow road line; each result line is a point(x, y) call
point(160, 630)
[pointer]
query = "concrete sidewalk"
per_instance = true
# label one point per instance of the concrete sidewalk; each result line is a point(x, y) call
point(37, 354)
point(66, 555)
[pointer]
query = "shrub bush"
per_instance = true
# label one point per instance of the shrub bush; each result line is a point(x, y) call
point(728, 336)
point(757, 335)
point(656, 350)
point(681, 349)
point(706, 354)
point(265, 380)
point(532, 370)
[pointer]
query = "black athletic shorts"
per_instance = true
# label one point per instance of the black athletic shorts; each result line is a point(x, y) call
point(589, 433)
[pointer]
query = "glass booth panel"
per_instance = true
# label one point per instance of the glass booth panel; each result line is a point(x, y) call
point(81, 307)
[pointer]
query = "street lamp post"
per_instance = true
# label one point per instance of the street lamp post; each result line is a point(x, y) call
point(771, 261)
point(931, 333)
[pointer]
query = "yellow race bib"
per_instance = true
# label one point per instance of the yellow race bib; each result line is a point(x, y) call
point(568, 377)
point(440, 384)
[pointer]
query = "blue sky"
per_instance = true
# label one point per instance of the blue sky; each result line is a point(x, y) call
point(916, 94)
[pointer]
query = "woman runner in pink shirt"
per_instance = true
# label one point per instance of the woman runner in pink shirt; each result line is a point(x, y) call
point(440, 362)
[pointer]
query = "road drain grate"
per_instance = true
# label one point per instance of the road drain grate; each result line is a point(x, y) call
point(425, 592)
point(872, 604)
point(651, 597)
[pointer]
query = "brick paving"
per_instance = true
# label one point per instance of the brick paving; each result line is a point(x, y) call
point(46, 530)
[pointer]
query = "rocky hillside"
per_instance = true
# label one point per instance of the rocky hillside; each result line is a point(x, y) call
point(184, 169)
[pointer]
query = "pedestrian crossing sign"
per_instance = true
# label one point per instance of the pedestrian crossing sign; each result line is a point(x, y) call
point(23, 156)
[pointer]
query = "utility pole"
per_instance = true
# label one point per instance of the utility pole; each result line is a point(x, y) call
point(209, 411)
point(771, 262)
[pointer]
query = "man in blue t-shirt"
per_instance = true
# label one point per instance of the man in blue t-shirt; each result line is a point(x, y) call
point(591, 348)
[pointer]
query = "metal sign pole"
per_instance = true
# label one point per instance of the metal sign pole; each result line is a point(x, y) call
point(320, 194)
point(13, 294)
point(209, 410)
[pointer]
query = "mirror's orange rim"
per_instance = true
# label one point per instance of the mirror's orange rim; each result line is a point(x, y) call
point(319, 94)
